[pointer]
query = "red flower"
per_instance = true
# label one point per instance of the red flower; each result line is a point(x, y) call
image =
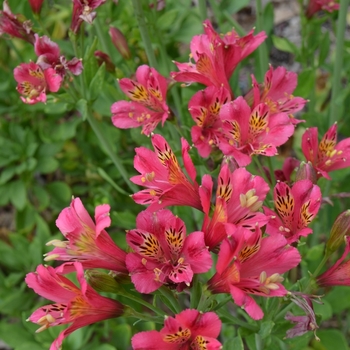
point(83, 10)
point(239, 196)
point(164, 179)
point(48, 53)
point(87, 242)
point(34, 82)
point(79, 306)
point(250, 264)
point(148, 105)
point(216, 56)
point(319, 5)
point(204, 107)
point(296, 208)
point(14, 26)
point(328, 155)
point(163, 254)
point(249, 132)
point(190, 329)
point(276, 93)
point(36, 5)
point(339, 273)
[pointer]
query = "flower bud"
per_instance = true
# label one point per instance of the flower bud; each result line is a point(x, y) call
point(340, 229)
point(119, 41)
point(102, 282)
point(306, 172)
point(104, 58)
point(36, 5)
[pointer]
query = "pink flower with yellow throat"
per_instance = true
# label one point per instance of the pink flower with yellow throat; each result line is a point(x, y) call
point(79, 306)
point(86, 240)
point(163, 254)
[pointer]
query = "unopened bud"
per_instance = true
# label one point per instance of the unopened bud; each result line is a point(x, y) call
point(102, 282)
point(119, 41)
point(36, 5)
point(104, 58)
point(306, 172)
point(339, 230)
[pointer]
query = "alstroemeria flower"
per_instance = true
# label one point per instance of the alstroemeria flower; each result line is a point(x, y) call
point(303, 324)
point(239, 196)
point(164, 179)
point(83, 10)
point(79, 306)
point(339, 273)
point(204, 107)
point(190, 329)
point(34, 82)
point(49, 56)
point(148, 101)
point(87, 241)
point(14, 25)
point(163, 254)
point(289, 166)
point(216, 56)
point(249, 132)
point(321, 5)
point(328, 155)
point(296, 206)
point(36, 5)
point(276, 93)
point(251, 264)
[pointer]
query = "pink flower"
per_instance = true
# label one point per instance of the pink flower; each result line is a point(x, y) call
point(79, 306)
point(36, 5)
point(249, 132)
point(190, 329)
point(119, 42)
point(239, 196)
point(249, 264)
point(83, 10)
point(319, 5)
point(303, 324)
point(296, 208)
point(163, 254)
point(148, 105)
point(328, 155)
point(290, 164)
point(14, 26)
point(34, 82)
point(204, 107)
point(48, 53)
point(339, 273)
point(276, 93)
point(164, 179)
point(216, 56)
point(87, 242)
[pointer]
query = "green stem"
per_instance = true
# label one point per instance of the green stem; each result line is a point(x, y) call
point(107, 147)
point(338, 64)
point(169, 296)
point(236, 26)
point(137, 4)
point(143, 317)
point(101, 36)
point(262, 49)
point(216, 10)
point(283, 312)
point(259, 343)
point(138, 300)
point(272, 172)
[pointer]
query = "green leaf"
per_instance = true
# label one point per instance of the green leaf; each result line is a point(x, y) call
point(236, 343)
point(14, 335)
point(265, 329)
point(97, 82)
point(82, 107)
point(284, 44)
point(18, 194)
point(60, 193)
point(29, 346)
point(166, 20)
point(306, 82)
point(46, 165)
point(6, 174)
point(324, 49)
point(315, 252)
point(332, 339)
point(43, 198)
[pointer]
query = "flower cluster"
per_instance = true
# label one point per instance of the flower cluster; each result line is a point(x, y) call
point(252, 238)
